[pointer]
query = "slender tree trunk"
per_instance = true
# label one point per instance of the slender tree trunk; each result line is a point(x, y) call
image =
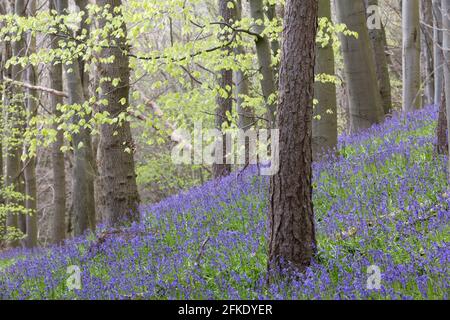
point(275, 43)
point(118, 195)
point(378, 40)
point(30, 166)
point(438, 54)
point(446, 49)
point(83, 172)
point(365, 104)
point(84, 75)
point(292, 233)
point(57, 159)
point(272, 15)
point(15, 119)
point(411, 55)
point(5, 55)
point(441, 131)
point(325, 112)
point(242, 85)
point(427, 51)
point(224, 99)
point(264, 53)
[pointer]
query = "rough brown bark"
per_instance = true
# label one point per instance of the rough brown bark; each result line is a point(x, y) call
point(225, 101)
point(57, 158)
point(441, 131)
point(292, 234)
point(119, 198)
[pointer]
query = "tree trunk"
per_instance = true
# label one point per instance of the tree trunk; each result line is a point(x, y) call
point(378, 40)
point(325, 112)
point(3, 55)
point(264, 53)
point(427, 51)
point(441, 131)
point(224, 99)
point(30, 165)
point(292, 234)
point(242, 85)
point(83, 173)
point(411, 55)
point(446, 50)
point(438, 54)
point(275, 43)
point(118, 196)
point(272, 15)
point(57, 158)
point(15, 119)
point(359, 67)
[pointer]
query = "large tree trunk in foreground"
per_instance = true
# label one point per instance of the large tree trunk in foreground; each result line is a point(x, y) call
point(83, 172)
point(119, 198)
point(378, 40)
point(438, 54)
point(411, 55)
point(224, 99)
point(325, 112)
point(57, 159)
point(30, 165)
point(359, 67)
point(292, 234)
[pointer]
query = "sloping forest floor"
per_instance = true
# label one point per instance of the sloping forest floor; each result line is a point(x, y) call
point(383, 201)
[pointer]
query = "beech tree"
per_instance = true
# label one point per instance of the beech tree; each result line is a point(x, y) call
point(225, 82)
point(426, 28)
point(57, 158)
point(411, 55)
point(30, 165)
point(359, 67)
point(16, 121)
point(83, 205)
point(378, 39)
point(264, 53)
point(291, 218)
point(446, 68)
point(325, 112)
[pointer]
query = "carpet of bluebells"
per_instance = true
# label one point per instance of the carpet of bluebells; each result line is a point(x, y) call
point(382, 200)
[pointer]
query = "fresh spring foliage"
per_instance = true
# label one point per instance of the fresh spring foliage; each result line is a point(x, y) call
point(381, 201)
point(174, 49)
